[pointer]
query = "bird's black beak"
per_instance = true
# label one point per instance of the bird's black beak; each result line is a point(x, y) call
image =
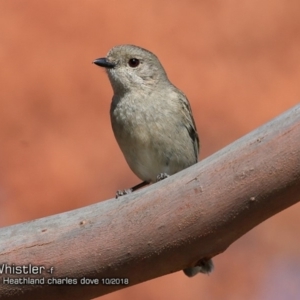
point(103, 62)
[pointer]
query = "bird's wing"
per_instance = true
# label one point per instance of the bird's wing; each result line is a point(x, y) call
point(189, 122)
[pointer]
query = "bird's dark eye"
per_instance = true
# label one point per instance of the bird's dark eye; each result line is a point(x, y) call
point(133, 62)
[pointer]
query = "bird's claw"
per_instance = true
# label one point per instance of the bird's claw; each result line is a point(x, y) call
point(161, 176)
point(123, 193)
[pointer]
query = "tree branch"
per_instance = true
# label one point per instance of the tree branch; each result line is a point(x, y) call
point(166, 227)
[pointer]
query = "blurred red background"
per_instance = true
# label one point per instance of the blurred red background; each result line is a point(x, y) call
point(237, 61)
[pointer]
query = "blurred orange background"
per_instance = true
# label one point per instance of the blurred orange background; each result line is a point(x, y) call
point(238, 62)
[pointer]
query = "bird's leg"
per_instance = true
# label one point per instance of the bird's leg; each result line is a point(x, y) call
point(161, 176)
point(138, 186)
point(128, 191)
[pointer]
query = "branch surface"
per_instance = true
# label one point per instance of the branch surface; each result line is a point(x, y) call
point(163, 228)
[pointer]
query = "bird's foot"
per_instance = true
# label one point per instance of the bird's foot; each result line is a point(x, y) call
point(161, 176)
point(129, 191)
point(123, 192)
point(204, 266)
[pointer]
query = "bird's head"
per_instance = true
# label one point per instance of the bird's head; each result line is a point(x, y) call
point(130, 67)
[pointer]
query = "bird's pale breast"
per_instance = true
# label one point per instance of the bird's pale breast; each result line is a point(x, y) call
point(153, 139)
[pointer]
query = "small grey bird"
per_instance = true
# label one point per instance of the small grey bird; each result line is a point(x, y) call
point(151, 119)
